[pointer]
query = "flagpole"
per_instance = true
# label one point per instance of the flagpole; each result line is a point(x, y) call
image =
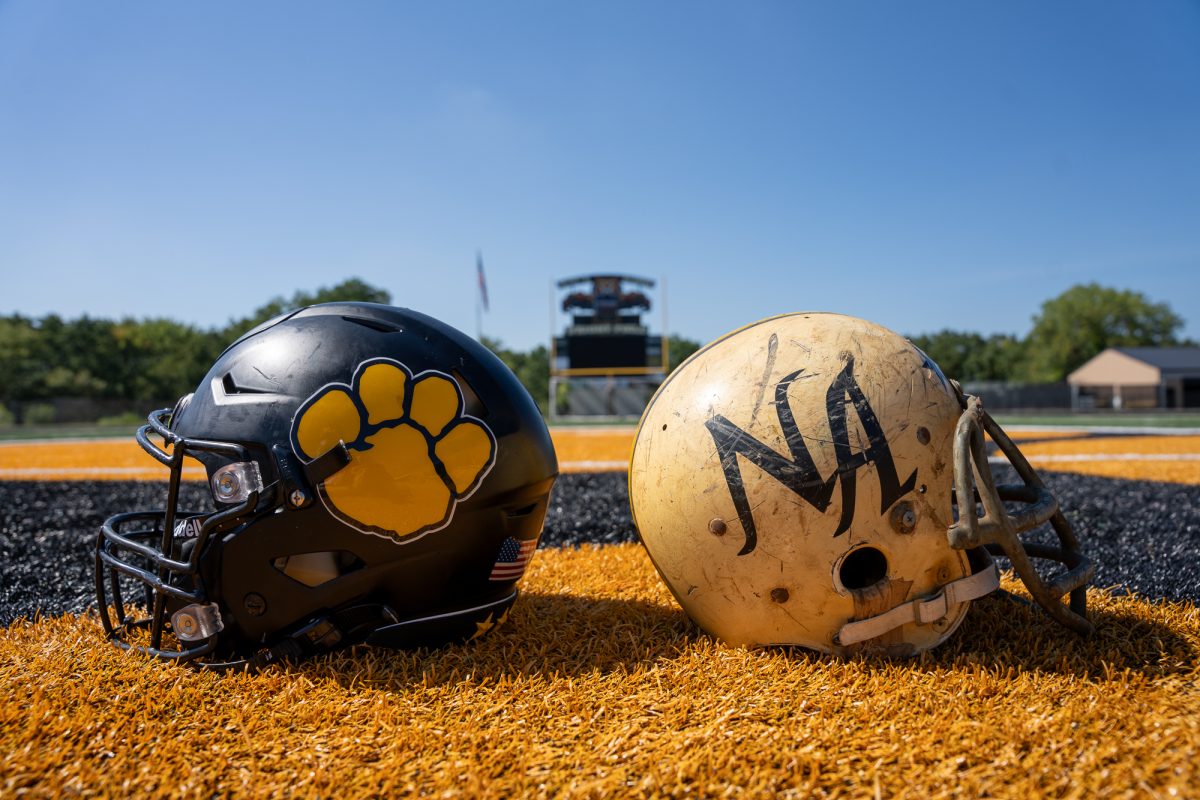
point(480, 290)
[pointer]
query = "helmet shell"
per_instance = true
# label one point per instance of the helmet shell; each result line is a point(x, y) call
point(474, 456)
point(796, 475)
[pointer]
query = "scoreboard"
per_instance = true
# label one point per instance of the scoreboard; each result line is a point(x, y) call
point(605, 333)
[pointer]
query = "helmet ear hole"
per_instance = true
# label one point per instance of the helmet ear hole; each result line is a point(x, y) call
point(863, 567)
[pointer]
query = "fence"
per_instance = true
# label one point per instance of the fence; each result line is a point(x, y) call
point(1007, 396)
point(77, 410)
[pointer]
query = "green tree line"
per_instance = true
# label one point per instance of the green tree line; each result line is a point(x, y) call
point(156, 360)
point(1068, 331)
point(142, 361)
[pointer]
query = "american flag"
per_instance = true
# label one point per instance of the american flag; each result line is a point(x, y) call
point(512, 559)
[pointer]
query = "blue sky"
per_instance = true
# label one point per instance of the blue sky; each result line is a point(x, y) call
point(923, 165)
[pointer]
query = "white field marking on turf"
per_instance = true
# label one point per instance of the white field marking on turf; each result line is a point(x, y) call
point(68, 440)
point(608, 465)
point(1050, 457)
point(1122, 430)
point(585, 465)
point(621, 465)
point(34, 471)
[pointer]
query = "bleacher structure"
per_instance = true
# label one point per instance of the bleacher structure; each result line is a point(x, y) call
point(605, 364)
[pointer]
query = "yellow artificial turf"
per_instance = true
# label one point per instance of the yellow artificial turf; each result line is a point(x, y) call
point(608, 449)
point(1109, 445)
point(599, 687)
point(1175, 459)
point(578, 450)
point(99, 459)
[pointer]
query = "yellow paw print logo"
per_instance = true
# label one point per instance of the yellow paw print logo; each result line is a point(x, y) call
point(413, 453)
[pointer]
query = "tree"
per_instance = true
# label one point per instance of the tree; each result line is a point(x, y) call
point(84, 359)
point(349, 290)
point(950, 350)
point(137, 360)
point(169, 358)
point(966, 356)
point(1086, 319)
point(532, 369)
point(681, 348)
point(1001, 359)
point(23, 360)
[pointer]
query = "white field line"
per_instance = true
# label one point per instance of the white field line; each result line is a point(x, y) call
point(594, 430)
point(583, 466)
point(69, 440)
point(27, 472)
point(1116, 429)
point(1069, 457)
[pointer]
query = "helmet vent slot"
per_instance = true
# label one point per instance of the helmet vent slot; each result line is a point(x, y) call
point(472, 405)
point(374, 324)
point(524, 511)
point(231, 386)
point(863, 567)
point(315, 569)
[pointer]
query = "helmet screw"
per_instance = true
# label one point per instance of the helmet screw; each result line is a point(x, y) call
point(903, 518)
point(256, 604)
point(298, 498)
point(716, 526)
point(185, 624)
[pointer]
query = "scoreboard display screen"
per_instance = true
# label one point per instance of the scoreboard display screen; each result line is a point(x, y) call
point(605, 352)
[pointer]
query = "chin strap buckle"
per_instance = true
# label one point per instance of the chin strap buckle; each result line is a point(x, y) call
point(922, 610)
point(346, 627)
point(327, 464)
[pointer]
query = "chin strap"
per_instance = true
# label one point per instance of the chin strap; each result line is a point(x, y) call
point(349, 626)
point(923, 610)
point(376, 625)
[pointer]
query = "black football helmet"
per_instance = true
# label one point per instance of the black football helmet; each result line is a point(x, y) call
point(376, 477)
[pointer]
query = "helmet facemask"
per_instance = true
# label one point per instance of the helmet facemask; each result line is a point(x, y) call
point(998, 529)
point(159, 553)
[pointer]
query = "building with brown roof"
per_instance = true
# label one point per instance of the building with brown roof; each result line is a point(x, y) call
point(1138, 377)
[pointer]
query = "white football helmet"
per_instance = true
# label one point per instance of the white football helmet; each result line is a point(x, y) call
point(800, 481)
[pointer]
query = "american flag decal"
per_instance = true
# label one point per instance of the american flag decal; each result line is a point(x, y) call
point(512, 559)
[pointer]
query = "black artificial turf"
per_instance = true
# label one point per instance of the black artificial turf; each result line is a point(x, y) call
point(1143, 535)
